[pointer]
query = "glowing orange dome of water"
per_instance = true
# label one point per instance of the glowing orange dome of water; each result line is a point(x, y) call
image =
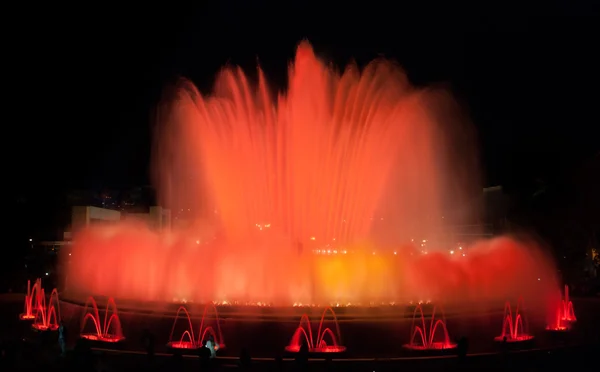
point(299, 189)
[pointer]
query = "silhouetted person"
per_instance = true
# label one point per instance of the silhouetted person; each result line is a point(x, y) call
point(3, 357)
point(62, 339)
point(328, 362)
point(148, 343)
point(462, 349)
point(212, 346)
point(204, 355)
point(83, 355)
point(100, 364)
point(176, 361)
point(279, 362)
point(302, 357)
point(504, 346)
point(245, 360)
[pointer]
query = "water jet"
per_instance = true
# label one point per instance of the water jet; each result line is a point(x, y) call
point(102, 331)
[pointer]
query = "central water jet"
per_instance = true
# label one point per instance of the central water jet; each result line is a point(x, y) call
point(302, 196)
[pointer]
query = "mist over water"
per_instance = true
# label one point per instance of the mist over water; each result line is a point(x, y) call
point(311, 196)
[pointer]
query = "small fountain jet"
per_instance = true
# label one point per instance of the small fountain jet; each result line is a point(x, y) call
point(514, 329)
point(565, 314)
point(303, 334)
point(102, 331)
point(422, 336)
point(47, 319)
point(32, 300)
point(188, 339)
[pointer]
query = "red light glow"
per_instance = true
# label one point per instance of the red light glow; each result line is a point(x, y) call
point(423, 333)
point(210, 327)
point(32, 300)
point(564, 314)
point(105, 338)
point(47, 318)
point(358, 162)
point(514, 325)
point(103, 331)
point(327, 340)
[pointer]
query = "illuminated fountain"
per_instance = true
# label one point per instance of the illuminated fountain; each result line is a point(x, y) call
point(102, 331)
point(304, 335)
point(32, 300)
point(568, 312)
point(422, 333)
point(514, 329)
point(47, 318)
point(279, 176)
point(565, 314)
point(188, 339)
point(348, 162)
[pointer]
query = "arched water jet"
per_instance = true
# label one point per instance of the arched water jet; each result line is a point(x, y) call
point(188, 339)
point(205, 330)
point(47, 318)
point(102, 330)
point(514, 325)
point(303, 335)
point(32, 300)
point(564, 314)
point(422, 336)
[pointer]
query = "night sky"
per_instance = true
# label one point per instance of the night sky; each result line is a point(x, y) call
point(82, 82)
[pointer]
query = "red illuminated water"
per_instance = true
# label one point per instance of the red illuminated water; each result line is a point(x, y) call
point(32, 300)
point(102, 331)
point(514, 326)
point(303, 196)
point(47, 318)
point(194, 340)
point(423, 333)
point(568, 312)
point(304, 335)
point(565, 314)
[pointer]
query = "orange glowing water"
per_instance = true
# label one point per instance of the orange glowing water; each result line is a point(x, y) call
point(345, 163)
point(316, 165)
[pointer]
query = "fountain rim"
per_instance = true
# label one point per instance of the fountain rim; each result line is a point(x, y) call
point(318, 350)
point(289, 313)
point(449, 346)
point(107, 338)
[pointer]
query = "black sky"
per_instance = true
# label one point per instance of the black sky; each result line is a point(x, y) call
point(82, 81)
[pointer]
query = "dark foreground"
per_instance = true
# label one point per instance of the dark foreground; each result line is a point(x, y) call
point(33, 357)
point(372, 345)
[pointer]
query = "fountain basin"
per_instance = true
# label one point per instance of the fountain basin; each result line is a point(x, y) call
point(107, 338)
point(42, 327)
point(560, 328)
point(317, 350)
point(186, 345)
point(434, 346)
point(510, 340)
